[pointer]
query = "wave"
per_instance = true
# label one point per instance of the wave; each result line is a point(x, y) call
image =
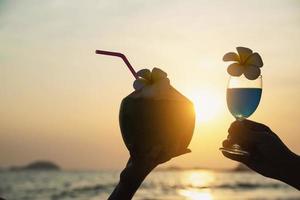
point(235, 186)
point(90, 190)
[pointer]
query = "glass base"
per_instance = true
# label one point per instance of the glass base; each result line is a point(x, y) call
point(235, 150)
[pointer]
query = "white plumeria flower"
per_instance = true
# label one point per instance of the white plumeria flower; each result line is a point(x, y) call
point(146, 77)
point(245, 62)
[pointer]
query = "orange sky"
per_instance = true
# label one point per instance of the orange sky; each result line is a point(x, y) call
point(60, 101)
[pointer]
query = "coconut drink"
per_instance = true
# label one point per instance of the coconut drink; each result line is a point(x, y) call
point(155, 113)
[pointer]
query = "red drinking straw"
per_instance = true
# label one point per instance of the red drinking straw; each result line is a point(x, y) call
point(109, 53)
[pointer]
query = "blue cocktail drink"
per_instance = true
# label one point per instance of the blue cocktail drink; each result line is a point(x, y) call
point(242, 102)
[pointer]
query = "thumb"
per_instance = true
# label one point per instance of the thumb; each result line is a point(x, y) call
point(182, 152)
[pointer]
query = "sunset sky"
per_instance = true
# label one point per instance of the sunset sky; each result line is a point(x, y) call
point(59, 101)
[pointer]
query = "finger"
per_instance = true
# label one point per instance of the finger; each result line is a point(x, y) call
point(235, 126)
point(227, 143)
point(239, 132)
point(235, 157)
point(166, 155)
point(175, 149)
point(179, 153)
point(255, 126)
point(163, 156)
point(249, 137)
point(237, 129)
point(247, 124)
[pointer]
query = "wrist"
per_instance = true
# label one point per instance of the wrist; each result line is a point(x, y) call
point(130, 180)
point(135, 173)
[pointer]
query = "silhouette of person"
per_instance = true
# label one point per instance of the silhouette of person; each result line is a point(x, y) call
point(269, 156)
point(138, 167)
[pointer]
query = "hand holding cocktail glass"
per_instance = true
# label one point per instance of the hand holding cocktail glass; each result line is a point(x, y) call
point(248, 142)
point(268, 155)
point(244, 88)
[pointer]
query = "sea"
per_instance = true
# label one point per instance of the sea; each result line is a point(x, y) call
point(159, 185)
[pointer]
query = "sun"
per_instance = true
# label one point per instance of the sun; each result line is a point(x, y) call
point(207, 103)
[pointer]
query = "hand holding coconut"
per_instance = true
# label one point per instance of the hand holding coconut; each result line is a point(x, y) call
point(157, 124)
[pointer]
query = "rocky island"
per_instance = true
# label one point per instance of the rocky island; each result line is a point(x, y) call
point(37, 165)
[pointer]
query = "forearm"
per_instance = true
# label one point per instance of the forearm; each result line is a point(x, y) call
point(130, 180)
point(291, 174)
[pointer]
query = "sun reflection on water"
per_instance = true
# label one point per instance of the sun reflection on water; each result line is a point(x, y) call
point(198, 182)
point(199, 178)
point(196, 195)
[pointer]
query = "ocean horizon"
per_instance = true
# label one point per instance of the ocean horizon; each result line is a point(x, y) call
point(161, 184)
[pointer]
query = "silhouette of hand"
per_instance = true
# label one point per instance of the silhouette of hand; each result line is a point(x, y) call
point(269, 156)
point(140, 165)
